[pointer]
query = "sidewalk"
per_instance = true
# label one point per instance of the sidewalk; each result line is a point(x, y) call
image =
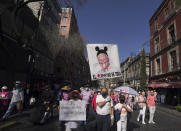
point(169, 109)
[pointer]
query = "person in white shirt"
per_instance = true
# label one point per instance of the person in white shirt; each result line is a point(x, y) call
point(124, 109)
point(15, 100)
point(142, 107)
point(104, 111)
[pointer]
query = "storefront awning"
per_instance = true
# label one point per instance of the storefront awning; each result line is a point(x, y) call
point(165, 85)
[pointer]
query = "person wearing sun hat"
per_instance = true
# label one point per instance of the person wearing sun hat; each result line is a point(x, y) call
point(65, 92)
point(63, 95)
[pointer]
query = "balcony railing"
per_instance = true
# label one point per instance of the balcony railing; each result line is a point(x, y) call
point(157, 49)
point(170, 42)
point(175, 67)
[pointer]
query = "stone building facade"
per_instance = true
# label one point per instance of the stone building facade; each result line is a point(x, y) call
point(131, 69)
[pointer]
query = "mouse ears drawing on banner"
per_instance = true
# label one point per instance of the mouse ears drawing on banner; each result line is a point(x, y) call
point(99, 51)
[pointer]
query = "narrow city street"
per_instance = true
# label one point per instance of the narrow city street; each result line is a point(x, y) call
point(82, 65)
point(164, 122)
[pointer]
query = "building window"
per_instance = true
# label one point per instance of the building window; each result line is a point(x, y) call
point(65, 19)
point(158, 66)
point(65, 10)
point(63, 27)
point(173, 56)
point(156, 24)
point(157, 44)
point(166, 11)
point(171, 34)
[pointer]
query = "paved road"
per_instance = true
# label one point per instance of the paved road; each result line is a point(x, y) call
point(164, 122)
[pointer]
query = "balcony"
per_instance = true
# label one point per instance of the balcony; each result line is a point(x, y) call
point(174, 68)
point(157, 49)
point(170, 42)
point(169, 16)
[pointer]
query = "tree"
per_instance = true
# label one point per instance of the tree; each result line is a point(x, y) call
point(143, 75)
point(178, 3)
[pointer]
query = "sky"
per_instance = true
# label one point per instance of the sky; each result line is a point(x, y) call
point(121, 22)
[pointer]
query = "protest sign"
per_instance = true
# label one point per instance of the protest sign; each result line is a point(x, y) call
point(103, 61)
point(72, 111)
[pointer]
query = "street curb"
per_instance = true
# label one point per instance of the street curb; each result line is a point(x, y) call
point(7, 125)
point(169, 111)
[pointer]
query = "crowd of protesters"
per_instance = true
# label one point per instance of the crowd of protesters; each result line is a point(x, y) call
point(105, 110)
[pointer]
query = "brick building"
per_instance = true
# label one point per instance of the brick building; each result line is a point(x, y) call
point(68, 24)
point(71, 64)
point(165, 50)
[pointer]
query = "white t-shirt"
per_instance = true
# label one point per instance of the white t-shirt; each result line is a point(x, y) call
point(106, 109)
point(16, 96)
point(123, 116)
point(72, 124)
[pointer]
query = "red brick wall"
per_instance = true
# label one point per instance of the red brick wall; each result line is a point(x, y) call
point(164, 63)
point(153, 68)
point(178, 25)
point(67, 24)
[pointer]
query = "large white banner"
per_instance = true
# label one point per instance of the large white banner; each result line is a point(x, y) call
point(103, 61)
point(72, 111)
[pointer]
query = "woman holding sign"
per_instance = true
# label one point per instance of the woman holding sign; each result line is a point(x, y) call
point(74, 96)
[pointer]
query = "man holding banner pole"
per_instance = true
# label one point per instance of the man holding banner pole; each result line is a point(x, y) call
point(104, 64)
point(104, 111)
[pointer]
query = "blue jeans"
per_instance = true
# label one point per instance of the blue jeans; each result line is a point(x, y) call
point(10, 108)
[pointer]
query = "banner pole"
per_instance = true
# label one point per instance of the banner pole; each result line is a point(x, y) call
point(108, 87)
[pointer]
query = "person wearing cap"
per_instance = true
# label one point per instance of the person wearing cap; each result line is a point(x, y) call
point(4, 95)
point(104, 111)
point(15, 100)
point(63, 95)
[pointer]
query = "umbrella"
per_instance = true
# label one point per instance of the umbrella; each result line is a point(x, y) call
point(127, 90)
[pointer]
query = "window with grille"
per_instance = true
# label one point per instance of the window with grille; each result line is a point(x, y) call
point(157, 44)
point(173, 56)
point(158, 66)
point(65, 19)
point(63, 27)
point(171, 33)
